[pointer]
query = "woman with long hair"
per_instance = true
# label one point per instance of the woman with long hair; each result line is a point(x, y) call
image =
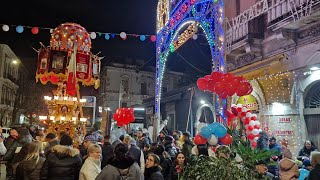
point(178, 166)
point(29, 169)
point(153, 169)
point(305, 152)
point(92, 166)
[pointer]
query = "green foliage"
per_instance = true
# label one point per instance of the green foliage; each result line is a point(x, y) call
point(209, 168)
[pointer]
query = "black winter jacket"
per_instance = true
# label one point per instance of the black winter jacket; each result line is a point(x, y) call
point(29, 169)
point(153, 173)
point(64, 163)
point(107, 154)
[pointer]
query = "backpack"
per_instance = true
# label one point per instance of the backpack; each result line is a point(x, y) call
point(124, 173)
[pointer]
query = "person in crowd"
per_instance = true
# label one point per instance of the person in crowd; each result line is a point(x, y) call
point(29, 169)
point(179, 164)
point(51, 140)
point(153, 169)
point(121, 138)
point(92, 166)
point(169, 147)
point(33, 131)
point(163, 133)
point(262, 143)
point(17, 152)
point(121, 166)
point(305, 152)
point(146, 150)
point(188, 145)
point(98, 136)
point(12, 137)
point(275, 148)
point(107, 151)
point(177, 141)
point(307, 164)
point(141, 139)
point(315, 162)
point(165, 162)
point(63, 163)
point(288, 169)
point(262, 169)
point(127, 139)
point(88, 141)
point(202, 149)
point(137, 154)
point(3, 148)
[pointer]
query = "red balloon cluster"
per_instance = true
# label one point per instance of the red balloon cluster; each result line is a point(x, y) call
point(124, 116)
point(249, 119)
point(224, 84)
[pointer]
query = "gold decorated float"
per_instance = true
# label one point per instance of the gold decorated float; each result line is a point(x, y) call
point(67, 63)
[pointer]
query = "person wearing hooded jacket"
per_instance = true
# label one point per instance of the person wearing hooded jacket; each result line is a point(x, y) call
point(288, 169)
point(169, 147)
point(121, 166)
point(63, 163)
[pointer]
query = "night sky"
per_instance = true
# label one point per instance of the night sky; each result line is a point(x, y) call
point(130, 16)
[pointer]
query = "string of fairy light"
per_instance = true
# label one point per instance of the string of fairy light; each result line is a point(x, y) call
point(280, 91)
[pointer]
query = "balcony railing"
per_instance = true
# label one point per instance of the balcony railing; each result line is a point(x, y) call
point(278, 13)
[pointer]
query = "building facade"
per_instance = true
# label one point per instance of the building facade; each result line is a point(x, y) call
point(122, 85)
point(12, 73)
point(276, 44)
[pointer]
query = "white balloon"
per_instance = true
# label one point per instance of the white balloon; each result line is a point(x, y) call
point(260, 130)
point(255, 132)
point(239, 105)
point(51, 30)
point(200, 126)
point(213, 140)
point(233, 105)
point(252, 123)
point(255, 139)
point(244, 109)
point(249, 114)
point(123, 35)
point(194, 36)
point(258, 123)
point(93, 35)
point(5, 28)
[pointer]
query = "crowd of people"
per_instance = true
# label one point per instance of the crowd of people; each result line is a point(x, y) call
point(132, 156)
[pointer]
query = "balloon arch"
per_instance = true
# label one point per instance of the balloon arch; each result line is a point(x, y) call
point(172, 16)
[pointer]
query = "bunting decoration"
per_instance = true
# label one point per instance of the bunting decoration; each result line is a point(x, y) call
point(92, 35)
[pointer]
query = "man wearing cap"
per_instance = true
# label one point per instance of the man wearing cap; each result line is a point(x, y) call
point(88, 141)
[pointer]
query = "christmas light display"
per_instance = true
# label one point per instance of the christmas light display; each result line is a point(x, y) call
point(172, 17)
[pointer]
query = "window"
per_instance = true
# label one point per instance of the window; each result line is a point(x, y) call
point(143, 90)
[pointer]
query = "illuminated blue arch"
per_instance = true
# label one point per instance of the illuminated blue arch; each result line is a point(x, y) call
point(209, 15)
